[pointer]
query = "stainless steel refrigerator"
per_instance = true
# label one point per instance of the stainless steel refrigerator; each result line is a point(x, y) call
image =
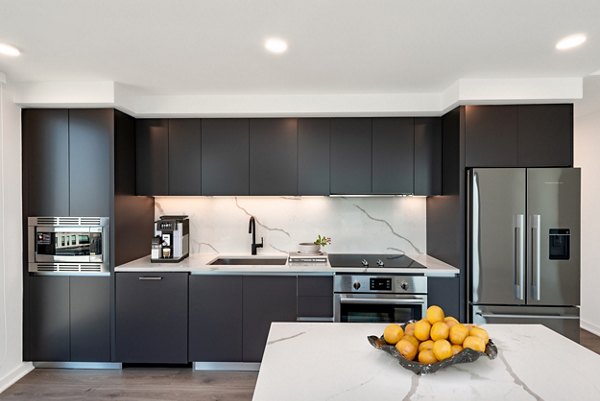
point(524, 246)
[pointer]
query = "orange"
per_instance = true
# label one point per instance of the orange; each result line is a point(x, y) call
point(450, 321)
point(458, 333)
point(475, 343)
point(442, 350)
point(409, 329)
point(422, 328)
point(481, 333)
point(406, 349)
point(456, 349)
point(434, 314)
point(427, 357)
point(412, 339)
point(426, 345)
point(439, 331)
point(393, 333)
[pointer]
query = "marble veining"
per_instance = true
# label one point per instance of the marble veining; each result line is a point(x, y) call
point(371, 224)
point(286, 338)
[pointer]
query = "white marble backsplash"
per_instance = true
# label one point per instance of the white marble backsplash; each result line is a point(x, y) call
point(371, 224)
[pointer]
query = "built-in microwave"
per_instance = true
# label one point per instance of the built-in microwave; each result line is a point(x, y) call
point(73, 245)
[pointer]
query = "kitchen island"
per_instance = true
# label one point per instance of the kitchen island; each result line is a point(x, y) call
point(334, 361)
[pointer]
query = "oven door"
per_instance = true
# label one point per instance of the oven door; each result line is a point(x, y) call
point(66, 244)
point(379, 308)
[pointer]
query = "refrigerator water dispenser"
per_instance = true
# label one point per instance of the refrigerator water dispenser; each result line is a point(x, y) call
point(560, 240)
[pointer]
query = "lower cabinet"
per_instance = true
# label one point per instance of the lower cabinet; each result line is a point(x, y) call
point(152, 317)
point(69, 319)
point(266, 300)
point(315, 298)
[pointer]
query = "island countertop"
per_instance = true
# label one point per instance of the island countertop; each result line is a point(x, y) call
point(334, 361)
point(200, 264)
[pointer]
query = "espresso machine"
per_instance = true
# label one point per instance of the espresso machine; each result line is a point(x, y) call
point(171, 242)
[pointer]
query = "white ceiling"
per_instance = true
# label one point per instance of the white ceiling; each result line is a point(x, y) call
point(209, 47)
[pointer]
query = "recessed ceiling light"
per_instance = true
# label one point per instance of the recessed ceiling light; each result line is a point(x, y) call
point(9, 50)
point(275, 45)
point(571, 41)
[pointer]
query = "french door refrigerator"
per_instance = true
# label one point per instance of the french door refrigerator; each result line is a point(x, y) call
point(524, 245)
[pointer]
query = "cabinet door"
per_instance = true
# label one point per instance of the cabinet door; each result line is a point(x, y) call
point(90, 136)
point(274, 156)
point(152, 157)
point(215, 317)
point(152, 317)
point(546, 135)
point(185, 157)
point(315, 297)
point(491, 136)
point(313, 156)
point(90, 319)
point(428, 156)
point(445, 292)
point(46, 155)
point(49, 318)
point(266, 300)
point(393, 155)
point(225, 157)
point(350, 164)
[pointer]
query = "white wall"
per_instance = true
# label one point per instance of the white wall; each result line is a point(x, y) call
point(12, 366)
point(372, 224)
point(587, 146)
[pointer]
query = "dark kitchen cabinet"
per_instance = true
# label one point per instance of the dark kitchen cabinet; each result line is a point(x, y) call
point(151, 317)
point(152, 157)
point(49, 337)
point(545, 135)
point(491, 136)
point(313, 156)
point(315, 298)
point(274, 156)
point(225, 156)
point(215, 318)
point(185, 157)
point(90, 319)
point(393, 155)
point(266, 299)
point(46, 162)
point(90, 134)
point(428, 156)
point(350, 163)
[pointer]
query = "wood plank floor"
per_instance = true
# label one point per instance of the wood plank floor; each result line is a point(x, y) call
point(154, 384)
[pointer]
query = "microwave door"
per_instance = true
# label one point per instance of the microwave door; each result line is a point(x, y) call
point(62, 244)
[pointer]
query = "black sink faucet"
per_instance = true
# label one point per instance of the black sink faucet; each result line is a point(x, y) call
point(252, 230)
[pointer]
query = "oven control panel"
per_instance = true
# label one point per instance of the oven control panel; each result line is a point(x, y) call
point(380, 284)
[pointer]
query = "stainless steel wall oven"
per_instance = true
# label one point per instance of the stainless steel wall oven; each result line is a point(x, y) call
point(68, 245)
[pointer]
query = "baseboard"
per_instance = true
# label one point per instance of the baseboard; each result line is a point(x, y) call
point(14, 375)
point(591, 327)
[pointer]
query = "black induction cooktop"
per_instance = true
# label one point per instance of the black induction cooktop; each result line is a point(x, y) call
point(373, 260)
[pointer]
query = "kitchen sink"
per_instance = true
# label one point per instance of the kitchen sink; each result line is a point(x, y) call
point(258, 261)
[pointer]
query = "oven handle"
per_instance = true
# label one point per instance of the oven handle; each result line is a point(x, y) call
point(382, 301)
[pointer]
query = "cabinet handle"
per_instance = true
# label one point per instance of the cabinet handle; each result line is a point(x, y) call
point(150, 278)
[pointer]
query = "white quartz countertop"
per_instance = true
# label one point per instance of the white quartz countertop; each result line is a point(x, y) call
point(334, 361)
point(200, 264)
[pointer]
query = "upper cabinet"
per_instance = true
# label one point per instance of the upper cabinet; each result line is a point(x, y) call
point(350, 168)
point(274, 156)
point(313, 156)
point(428, 156)
point(519, 136)
point(152, 157)
point(225, 156)
point(67, 162)
point(185, 157)
point(393, 155)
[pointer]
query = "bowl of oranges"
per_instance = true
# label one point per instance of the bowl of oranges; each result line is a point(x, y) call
point(434, 342)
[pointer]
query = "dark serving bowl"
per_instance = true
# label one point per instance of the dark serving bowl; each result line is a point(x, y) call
point(464, 356)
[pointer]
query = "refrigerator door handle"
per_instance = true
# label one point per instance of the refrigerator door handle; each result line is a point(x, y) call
point(536, 256)
point(518, 316)
point(519, 257)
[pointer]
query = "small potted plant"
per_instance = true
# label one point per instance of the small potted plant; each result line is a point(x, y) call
point(314, 247)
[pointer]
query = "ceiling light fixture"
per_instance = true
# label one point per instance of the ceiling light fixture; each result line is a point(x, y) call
point(571, 41)
point(275, 45)
point(9, 50)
